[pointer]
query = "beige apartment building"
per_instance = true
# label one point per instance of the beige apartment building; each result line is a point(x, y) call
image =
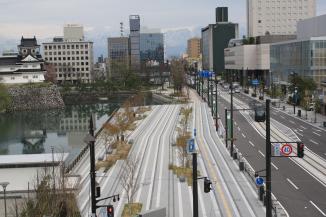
point(277, 17)
point(71, 55)
point(194, 48)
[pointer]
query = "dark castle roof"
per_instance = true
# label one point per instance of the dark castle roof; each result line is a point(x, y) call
point(28, 42)
point(5, 61)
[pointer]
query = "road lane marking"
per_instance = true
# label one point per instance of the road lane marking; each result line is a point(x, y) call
point(317, 208)
point(296, 131)
point(316, 133)
point(261, 153)
point(316, 143)
point(235, 123)
point(282, 116)
point(303, 127)
point(244, 136)
point(296, 187)
point(274, 166)
point(292, 122)
point(252, 144)
point(300, 130)
point(239, 129)
point(318, 130)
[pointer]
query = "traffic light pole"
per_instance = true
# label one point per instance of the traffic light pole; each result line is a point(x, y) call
point(268, 162)
point(92, 167)
point(194, 185)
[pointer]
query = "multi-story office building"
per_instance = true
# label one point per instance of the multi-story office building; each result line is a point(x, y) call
point(118, 55)
point(251, 61)
point(215, 38)
point(71, 55)
point(305, 56)
point(134, 22)
point(152, 47)
point(277, 17)
point(26, 66)
point(194, 48)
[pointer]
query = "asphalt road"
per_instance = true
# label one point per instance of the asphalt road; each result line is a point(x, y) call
point(313, 137)
point(298, 192)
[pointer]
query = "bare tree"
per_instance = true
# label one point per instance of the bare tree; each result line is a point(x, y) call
point(128, 177)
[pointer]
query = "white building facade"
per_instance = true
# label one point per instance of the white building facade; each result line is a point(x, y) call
point(277, 17)
point(24, 67)
point(71, 56)
point(248, 62)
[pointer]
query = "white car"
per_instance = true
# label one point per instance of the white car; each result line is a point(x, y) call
point(237, 90)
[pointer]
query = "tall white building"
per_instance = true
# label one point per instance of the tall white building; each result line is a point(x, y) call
point(278, 17)
point(71, 55)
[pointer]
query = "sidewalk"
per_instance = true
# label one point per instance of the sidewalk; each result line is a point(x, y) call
point(288, 109)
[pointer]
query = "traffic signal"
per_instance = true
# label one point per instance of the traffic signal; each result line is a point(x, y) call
point(300, 149)
point(260, 115)
point(207, 185)
point(110, 211)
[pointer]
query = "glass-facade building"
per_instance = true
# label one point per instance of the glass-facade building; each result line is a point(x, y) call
point(305, 57)
point(152, 47)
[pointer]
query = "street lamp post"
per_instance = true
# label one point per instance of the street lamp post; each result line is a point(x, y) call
point(295, 91)
point(4, 186)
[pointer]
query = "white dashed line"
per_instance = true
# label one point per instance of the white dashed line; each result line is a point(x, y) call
point(317, 208)
point(282, 116)
point(235, 123)
point(296, 187)
point(239, 129)
point(292, 122)
point(318, 130)
point(244, 136)
point(316, 133)
point(274, 166)
point(303, 127)
point(296, 131)
point(316, 143)
point(252, 144)
point(261, 153)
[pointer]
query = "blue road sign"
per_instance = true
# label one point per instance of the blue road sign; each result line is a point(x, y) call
point(195, 132)
point(191, 146)
point(206, 74)
point(259, 181)
point(255, 82)
point(277, 149)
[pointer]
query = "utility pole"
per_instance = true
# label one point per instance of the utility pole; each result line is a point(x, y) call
point(216, 118)
point(226, 127)
point(92, 166)
point(268, 162)
point(208, 92)
point(231, 127)
point(194, 185)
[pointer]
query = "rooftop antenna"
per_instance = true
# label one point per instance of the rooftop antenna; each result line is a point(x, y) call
point(121, 28)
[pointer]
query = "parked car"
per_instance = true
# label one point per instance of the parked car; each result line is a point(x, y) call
point(237, 90)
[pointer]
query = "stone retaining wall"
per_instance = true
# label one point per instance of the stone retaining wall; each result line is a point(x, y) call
point(34, 98)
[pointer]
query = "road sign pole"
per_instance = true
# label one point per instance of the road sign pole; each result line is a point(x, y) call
point(268, 162)
point(194, 185)
point(226, 127)
point(202, 87)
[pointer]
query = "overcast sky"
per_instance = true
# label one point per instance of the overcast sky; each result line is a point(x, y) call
point(45, 18)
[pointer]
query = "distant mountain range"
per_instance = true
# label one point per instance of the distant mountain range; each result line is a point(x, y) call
point(175, 40)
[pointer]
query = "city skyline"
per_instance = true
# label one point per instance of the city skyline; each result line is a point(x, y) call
point(106, 16)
